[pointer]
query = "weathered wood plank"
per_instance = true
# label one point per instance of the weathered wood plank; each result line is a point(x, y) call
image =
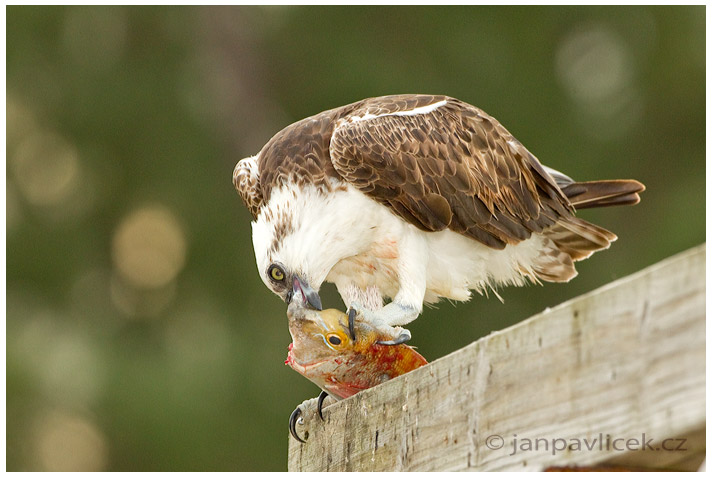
point(615, 367)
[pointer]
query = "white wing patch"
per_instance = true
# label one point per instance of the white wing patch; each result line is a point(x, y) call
point(415, 111)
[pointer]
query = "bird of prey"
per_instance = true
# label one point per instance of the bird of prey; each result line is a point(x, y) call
point(403, 200)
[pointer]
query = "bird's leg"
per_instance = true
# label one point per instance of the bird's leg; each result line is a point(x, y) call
point(408, 302)
point(305, 409)
point(385, 320)
point(320, 403)
point(295, 418)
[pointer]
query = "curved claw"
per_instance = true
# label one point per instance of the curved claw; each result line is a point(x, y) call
point(401, 339)
point(352, 316)
point(293, 424)
point(320, 403)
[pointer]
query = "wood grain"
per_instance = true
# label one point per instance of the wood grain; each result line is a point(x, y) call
point(625, 362)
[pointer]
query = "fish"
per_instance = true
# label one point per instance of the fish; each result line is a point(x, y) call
point(343, 355)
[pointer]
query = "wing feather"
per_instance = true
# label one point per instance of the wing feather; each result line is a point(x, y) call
point(452, 167)
point(438, 163)
point(246, 180)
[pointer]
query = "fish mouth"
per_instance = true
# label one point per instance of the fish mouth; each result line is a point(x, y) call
point(302, 368)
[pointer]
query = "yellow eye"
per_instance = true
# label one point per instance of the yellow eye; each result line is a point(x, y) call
point(334, 339)
point(276, 273)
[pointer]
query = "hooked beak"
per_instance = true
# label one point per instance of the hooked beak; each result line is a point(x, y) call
point(308, 295)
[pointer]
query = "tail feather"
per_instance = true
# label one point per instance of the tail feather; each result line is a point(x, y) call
point(579, 238)
point(573, 239)
point(616, 192)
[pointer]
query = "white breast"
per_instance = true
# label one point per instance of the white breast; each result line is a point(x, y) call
point(348, 239)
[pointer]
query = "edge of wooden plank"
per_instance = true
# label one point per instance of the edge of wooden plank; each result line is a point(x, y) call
point(337, 448)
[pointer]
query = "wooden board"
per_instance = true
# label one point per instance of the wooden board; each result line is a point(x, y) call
point(596, 380)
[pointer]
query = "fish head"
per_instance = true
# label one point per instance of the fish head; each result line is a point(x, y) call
point(343, 360)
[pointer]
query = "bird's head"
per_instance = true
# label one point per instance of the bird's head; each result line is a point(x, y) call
point(290, 285)
point(288, 239)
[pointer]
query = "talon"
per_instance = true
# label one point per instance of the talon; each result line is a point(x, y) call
point(293, 424)
point(401, 339)
point(320, 403)
point(352, 316)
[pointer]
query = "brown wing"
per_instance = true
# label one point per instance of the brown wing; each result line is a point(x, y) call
point(247, 183)
point(453, 167)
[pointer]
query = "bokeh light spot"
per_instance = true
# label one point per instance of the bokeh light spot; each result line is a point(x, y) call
point(73, 371)
point(594, 63)
point(21, 121)
point(46, 169)
point(67, 442)
point(149, 248)
point(596, 67)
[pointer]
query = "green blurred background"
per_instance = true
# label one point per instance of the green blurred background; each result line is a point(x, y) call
point(139, 335)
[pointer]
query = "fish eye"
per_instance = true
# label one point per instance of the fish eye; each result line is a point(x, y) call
point(276, 273)
point(334, 339)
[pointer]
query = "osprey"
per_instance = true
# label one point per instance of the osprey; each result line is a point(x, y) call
point(408, 199)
